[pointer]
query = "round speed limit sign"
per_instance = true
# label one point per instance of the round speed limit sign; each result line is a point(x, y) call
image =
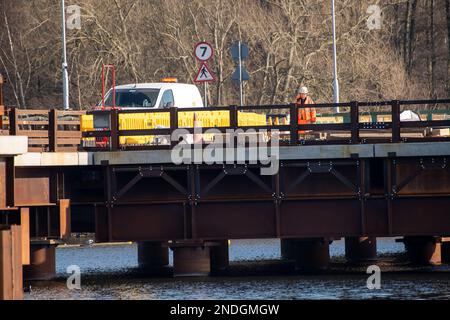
point(203, 51)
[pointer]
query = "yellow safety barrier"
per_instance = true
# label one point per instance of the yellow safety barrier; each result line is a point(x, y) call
point(149, 120)
point(142, 121)
point(87, 124)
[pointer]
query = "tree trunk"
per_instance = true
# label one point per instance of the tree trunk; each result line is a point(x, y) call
point(432, 41)
point(447, 10)
point(409, 33)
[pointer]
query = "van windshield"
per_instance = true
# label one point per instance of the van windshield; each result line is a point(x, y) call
point(133, 98)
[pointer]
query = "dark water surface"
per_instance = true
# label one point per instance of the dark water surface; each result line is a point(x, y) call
point(110, 272)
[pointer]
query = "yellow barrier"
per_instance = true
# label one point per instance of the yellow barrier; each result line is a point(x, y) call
point(149, 120)
point(87, 122)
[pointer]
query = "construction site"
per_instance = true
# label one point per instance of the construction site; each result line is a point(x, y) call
point(250, 167)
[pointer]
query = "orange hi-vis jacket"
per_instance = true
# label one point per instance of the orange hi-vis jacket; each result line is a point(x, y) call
point(306, 115)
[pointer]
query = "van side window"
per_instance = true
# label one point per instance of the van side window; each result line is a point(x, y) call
point(167, 99)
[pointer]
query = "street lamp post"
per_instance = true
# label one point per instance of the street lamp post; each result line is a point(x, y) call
point(335, 80)
point(65, 76)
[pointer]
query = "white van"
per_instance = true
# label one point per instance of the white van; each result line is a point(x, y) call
point(155, 96)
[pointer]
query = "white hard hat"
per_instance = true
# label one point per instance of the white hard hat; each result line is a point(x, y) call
point(303, 90)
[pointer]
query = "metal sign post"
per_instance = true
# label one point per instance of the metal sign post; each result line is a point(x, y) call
point(335, 79)
point(239, 52)
point(206, 94)
point(240, 74)
point(65, 76)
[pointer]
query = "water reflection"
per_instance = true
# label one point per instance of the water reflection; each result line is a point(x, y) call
point(110, 272)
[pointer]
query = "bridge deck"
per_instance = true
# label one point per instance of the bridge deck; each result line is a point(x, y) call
point(419, 149)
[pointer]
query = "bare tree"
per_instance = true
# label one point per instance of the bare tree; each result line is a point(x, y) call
point(409, 33)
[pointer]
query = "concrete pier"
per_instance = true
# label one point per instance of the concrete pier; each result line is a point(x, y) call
point(360, 249)
point(445, 251)
point(312, 254)
point(423, 250)
point(219, 256)
point(152, 255)
point(42, 262)
point(288, 248)
point(191, 260)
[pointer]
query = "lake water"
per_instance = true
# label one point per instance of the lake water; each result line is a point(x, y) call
point(256, 272)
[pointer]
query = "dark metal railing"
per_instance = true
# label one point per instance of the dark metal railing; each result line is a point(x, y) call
point(356, 130)
point(54, 130)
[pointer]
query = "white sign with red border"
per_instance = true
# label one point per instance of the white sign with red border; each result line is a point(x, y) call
point(204, 74)
point(203, 51)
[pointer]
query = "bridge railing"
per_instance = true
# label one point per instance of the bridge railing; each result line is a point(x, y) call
point(47, 130)
point(354, 127)
point(54, 130)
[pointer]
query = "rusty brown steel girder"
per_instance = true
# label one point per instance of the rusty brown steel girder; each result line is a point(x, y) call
point(11, 287)
point(307, 199)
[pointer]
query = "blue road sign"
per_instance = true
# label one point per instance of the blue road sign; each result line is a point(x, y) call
point(235, 51)
point(245, 75)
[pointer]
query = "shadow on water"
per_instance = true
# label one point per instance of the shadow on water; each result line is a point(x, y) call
point(256, 272)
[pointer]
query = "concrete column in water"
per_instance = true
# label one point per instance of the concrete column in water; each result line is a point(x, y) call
point(288, 248)
point(152, 255)
point(424, 250)
point(445, 250)
point(42, 261)
point(312, 254)
point(219, 256)
point(360, 249)
point(191, 259)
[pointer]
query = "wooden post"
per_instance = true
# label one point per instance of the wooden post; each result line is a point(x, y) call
point(53, 130)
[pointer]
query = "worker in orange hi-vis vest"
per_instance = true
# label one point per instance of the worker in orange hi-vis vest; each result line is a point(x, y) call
point(305, 115)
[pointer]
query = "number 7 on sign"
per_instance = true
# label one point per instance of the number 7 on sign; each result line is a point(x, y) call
point(203, 51)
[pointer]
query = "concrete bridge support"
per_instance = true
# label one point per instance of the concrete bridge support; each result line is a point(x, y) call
point(219, 256)
point(152, 255)
point(11, 282)
point(199, 258)
point(445, 250)
point(288, 248)
point(360, 249)
point(311, 254)
point(191, 259)
point(42, 261)
point(423, 250)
